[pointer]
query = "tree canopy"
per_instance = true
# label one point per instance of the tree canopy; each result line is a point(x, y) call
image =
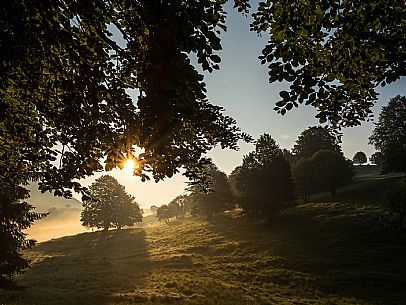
point(333, 53)
point(360, 158)
point(264, 181)
point(109, 206)
point(389, 135)
point(332, 170)
point(214, 196)
point(314, 139)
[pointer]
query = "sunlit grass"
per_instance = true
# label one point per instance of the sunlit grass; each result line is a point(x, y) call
point(318, 253)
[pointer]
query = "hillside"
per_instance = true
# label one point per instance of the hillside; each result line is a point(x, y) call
point(45, 201)
point(318, 253)
point(313, 255)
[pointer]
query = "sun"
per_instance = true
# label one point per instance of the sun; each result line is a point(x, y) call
point(129, 166)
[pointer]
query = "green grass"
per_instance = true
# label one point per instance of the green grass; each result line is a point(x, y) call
point(318, 253)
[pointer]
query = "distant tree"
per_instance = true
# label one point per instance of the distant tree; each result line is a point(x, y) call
point(360, 158)
point(306, 178)
point(153, 208)
point(264, 181)
point(389, 135)
point(314, 139)
point(217, 198)
point(163, 213)
point(332, 170)
point(181, 205)
point(109, 206)
point(376, 158)
point(16, 215)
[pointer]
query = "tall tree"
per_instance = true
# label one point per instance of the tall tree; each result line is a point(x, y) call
point(65, 81)
point(333, 53)
point(389, 135)
point(217, 198)
point(360, 158)
point(109, 206)
point(16, 215)
point(264, 181)
point(314, 139)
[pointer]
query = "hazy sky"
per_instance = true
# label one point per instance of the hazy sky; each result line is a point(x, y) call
point(241, 87)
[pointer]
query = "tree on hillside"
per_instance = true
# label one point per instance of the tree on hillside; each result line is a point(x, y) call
point(314, 139)
point(16, 215)
point(332, 170)
point(360, 158)
point(306, 178)
point(376, 158)
point(264, 181)
point(217, 198)
point(109, 206)
point(389, 135)
point(181, 205)
point(164, 213)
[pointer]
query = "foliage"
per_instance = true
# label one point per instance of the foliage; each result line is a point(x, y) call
point(66, 80)
point(15, 216)
point(178, 207)
point(109, 206)
point(332, 170)
point(216, 199)
point(306, 178)
point(164, 213)
point(264, 181)
point(333, 53)
point(389, 135)
point(396, 200)
point(376, 158)
point(314, 139)
point(360, 158)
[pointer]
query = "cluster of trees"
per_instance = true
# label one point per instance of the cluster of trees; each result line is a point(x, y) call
point(319, 163)
point(65, 80)
point(178, 207)
point(108, 205)
point(269, 178)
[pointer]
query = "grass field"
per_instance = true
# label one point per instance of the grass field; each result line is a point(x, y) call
point(318, 253)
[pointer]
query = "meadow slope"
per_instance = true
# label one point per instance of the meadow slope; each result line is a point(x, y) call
point(318, 253)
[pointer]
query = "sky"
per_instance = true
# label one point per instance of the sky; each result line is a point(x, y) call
point(241, 86)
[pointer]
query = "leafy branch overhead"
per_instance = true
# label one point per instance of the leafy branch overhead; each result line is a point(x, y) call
point(333, 53)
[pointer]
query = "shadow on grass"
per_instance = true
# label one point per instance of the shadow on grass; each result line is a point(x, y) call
point(90, 268)
point(315, 252)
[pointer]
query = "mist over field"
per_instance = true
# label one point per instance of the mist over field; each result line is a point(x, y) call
point(64, 216)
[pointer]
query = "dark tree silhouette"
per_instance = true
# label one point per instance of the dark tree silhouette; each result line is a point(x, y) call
point(360, 158)
point(306, 178)
point(264, 181)
point(109, 206)
point(15, 216)
point(376, 158)
point(214, 200)
point(389, 135)
point(314, 139)
point(332, 170)
point(333, 53)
